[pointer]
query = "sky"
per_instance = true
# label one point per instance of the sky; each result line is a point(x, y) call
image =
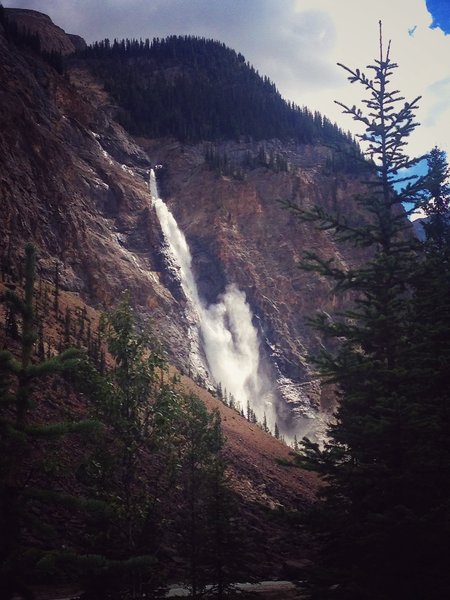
point(297, 44)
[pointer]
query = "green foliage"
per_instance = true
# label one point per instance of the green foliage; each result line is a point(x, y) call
point(100, 576)
point(164, 453)
point(68, 501)
point(197, 89)
point(218, 161)
point(276, 432)
point(382, 534)
point(58, 429)
point(208, 534)
point(134, 464)
point(435, 201)
point(284, 462)
point(19, 437)
point(154, 455)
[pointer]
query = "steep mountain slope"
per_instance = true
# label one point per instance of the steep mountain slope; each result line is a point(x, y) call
point(260, 468)
point(75, 183)
point(197, 89)
point(76, 199)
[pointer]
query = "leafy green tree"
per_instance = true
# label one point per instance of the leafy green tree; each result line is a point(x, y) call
point(206, 520)
point(371, 521)
point(140, 409)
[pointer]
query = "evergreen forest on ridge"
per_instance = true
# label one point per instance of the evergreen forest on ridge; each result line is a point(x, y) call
point(198, 89)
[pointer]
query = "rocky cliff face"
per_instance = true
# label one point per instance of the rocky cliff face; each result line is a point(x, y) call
point(73, 181)
point(239, 233)
point(51, 37)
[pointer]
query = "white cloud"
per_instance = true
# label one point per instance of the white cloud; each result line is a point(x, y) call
point(295, 42)
point(417, 214)
point(423, 61)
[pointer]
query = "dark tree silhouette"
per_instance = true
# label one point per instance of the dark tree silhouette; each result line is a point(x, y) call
point(382, 521)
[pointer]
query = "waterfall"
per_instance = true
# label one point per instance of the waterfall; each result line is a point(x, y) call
point(222, 332)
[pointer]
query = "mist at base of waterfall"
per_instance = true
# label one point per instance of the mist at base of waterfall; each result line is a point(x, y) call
point(232, 350)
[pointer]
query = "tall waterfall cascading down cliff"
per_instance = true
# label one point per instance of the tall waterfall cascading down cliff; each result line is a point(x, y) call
point(224, 342)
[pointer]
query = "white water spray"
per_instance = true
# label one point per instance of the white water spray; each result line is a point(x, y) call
point(225, 331)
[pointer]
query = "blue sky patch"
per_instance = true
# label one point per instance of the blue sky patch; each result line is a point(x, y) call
point(440, 11)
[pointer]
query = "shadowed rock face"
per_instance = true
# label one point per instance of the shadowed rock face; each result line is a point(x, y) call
point(210, 276)
point(51, 36)
point(74, 182)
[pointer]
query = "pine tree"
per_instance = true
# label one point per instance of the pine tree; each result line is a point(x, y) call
point(56, 301)
point(276, 431)
point(428, 359)
point(369, 517)
point(435, 201)
point(199, 103)
point(21, 438)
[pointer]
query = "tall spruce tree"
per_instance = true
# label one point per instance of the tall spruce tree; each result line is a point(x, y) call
point(21, 444)
point(435, 201)
point(370, 521)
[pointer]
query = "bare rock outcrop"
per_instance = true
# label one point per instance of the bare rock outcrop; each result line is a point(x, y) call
point(51, 37)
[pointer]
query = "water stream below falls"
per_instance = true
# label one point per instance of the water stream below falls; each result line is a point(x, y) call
point(224, 342)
